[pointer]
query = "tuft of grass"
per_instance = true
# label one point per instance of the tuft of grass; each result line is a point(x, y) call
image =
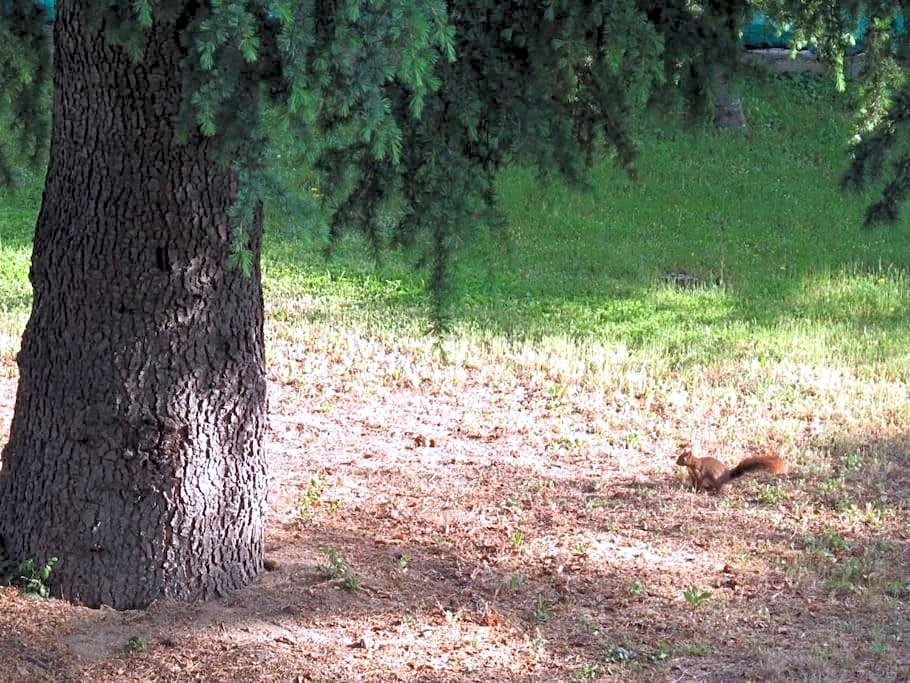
point(543, 611)
point(850, 568)
point(136, 644)
point(637, 588)
point(516, 540)
point(771, 494)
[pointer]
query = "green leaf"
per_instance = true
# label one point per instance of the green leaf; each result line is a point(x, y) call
point(207, 56)
point(143, 10)
point(250, 49)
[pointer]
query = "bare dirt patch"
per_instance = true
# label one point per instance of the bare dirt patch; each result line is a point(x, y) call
point(499, 521)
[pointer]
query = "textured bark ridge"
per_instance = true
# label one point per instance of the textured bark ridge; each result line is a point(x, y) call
point(135, 454)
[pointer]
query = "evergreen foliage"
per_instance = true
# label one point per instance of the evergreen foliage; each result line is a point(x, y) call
point(409, 107)
point(880, 153)
point(24, 82)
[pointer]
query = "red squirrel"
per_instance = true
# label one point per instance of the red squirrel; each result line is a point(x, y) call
point(711, 474)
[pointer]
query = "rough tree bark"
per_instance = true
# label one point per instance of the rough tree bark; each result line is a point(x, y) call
point(728, 107)
point(135, 453)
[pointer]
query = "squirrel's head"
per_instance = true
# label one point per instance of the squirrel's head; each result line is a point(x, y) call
point(685, 455)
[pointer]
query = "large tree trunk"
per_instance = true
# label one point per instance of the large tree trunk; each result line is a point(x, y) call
point(135, 454)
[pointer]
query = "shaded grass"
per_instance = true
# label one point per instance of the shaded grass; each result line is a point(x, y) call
point(789, 274)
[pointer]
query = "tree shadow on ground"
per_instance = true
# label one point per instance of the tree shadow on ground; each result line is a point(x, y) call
point(454, 610)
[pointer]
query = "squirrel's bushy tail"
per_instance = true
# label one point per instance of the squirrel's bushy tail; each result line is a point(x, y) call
point(765, 463)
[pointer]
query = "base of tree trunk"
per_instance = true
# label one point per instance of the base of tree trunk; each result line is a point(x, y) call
point(728, 108)
point(136, 448)
point(731, 116)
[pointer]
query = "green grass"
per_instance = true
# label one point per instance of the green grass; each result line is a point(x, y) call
point(577, 270)
point(582, 272)
point(18, 211)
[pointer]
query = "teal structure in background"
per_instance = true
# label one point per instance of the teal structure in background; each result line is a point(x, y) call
point(762, 32)
point(49, 7)
point(759, 32)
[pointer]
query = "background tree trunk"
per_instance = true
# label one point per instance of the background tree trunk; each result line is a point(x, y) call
point(728, 107)
point(135, 453)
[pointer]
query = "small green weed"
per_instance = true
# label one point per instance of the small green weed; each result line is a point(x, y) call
point(898, 588)
point(848, 568)
point(557, 391)
point(847, 575)
point(352, 583)
point(696, 596)
point(581, 547)
point(771, 494)
point(596, 503)
point(136, 644)
point(31, 579)
point(694, 650)
point(586, 673)
point(831, 486)
point(827, 545)
point(636, 588)
point(542, 609)
point(846, 507)
point(517, 539)
point(336, 568)
point(306, 505)
point(879, 648)
point(636, 659)
point(873, 514)
point(852, 462)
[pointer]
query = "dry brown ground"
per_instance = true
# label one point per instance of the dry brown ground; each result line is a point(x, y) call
point(510, 522)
